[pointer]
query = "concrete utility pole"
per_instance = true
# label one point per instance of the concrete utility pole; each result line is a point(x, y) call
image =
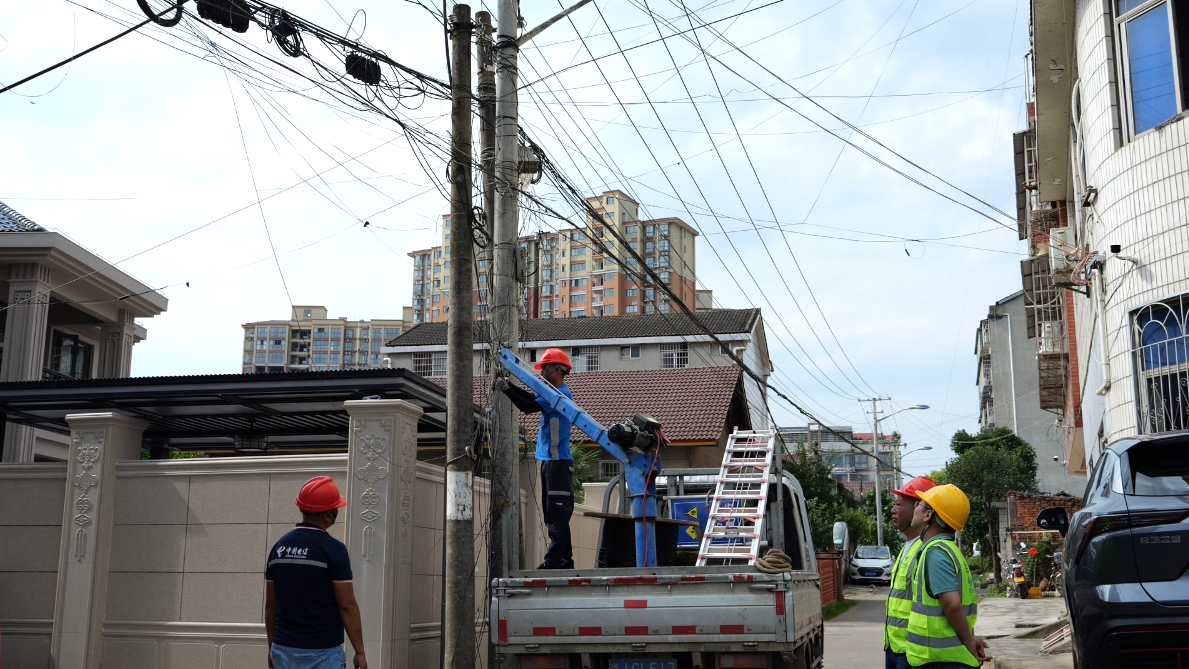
point(486, 118)
point(505, 313)
point(875, 452)
point(458, 627)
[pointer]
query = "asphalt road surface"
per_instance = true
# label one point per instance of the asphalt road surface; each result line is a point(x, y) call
point(855, 638)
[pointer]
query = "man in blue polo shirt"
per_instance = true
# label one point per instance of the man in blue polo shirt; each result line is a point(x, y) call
point(309, 597)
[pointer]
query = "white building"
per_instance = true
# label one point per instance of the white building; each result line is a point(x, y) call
point(1103, 191)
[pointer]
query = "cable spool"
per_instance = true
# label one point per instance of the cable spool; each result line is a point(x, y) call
point(234, 14)
point(363, 68)
point(286, 34)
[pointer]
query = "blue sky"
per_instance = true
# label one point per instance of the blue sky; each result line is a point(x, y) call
point(139, 142)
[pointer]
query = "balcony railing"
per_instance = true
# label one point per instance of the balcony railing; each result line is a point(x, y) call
point(48, 374)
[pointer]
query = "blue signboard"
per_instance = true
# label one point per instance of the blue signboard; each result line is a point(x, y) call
point(689, 508)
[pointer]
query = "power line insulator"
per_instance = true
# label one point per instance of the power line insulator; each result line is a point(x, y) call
point(363, 68)
point(233, 14)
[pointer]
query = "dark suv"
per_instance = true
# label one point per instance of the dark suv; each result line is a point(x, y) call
point(1126, 560)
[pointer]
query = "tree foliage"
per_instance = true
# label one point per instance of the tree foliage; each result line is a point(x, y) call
point(989, 465)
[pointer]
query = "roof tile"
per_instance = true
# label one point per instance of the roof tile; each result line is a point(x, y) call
point(13, 221)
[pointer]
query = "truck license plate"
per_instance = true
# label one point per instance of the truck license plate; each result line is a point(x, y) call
point(657, 663)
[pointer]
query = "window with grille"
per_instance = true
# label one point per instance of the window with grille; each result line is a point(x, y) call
point(674, 356)
point(585, 358)
point(609, 469)
point(1161, 358)
point(430, 364)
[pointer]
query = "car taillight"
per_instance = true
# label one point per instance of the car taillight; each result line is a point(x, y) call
point(543, 662)
point(1122, 521)
point(743, 661)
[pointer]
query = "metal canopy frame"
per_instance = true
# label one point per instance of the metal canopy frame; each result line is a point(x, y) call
point(298, 412)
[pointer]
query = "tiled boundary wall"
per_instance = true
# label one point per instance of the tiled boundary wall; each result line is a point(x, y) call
point(162, 562)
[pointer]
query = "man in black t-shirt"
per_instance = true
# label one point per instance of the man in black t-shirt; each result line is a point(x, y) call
point(309, 597)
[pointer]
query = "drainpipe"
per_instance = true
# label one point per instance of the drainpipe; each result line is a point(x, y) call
point(1100, 302)
point(1011, 369)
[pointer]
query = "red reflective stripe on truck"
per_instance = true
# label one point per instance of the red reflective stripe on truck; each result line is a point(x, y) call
point(544, 631)
point(635, 603)
point(579, 581)
point(685, 629)
point(744, 577)
point(590, 631)
point(534, 582)
point(692, 579)
point(633, 580)
point(730, 629)
point(780, 602)
point(638, 631)
point(503, 632)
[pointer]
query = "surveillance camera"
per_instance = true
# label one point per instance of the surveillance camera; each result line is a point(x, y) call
point(1056, 458)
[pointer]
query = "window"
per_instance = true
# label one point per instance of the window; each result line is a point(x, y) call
point(576, 267)
point(278, 333)
point(336, 345)
point(350, 333)
point(610, 199)
point(446, 265)
point(261, 343)
point(310, 312)
point(650, 309)
point(482, 264)
point(610, 292)
point(649, 247)
point(649, 293)
point(609, 216)
point(609, 469)
point(609, 309)
point(447, 251)
point(578, 251)
point(648, 230)
point(348, 358)
point(350, 346)
point(430, 364)
point(629, 352)
point(635, 246)
point(248, 332)
point(334, 358)
point(276, 358)
point(390, 333)
point(319, 358)
point(321, 345)
point(1150, 69)
point(437, 297)
point(577, 313)
point(336, 333)
point(650, 261)
point(437, 254)
point(447, 236)
point(674, 356)
point(446, 280)
point(631, 292)
point(546, 304)
point(578, 237)
point(70, 356)
point(482, 278)
point(631, 229)
point(664, 260)
point(664, 275)
point(664, 245)
point(547, 290)
point(631, 309)
point(578, 283)
point(1162, 365)
point(248, 357)
point(437, 269)
point(578, 297)
point(663, 229)
point(436, 313)
point(375, 358)
point(547, 274)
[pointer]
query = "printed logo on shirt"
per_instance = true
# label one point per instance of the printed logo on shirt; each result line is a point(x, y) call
point(292, 551)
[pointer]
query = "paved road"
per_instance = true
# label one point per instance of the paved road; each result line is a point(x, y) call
point(855, 638)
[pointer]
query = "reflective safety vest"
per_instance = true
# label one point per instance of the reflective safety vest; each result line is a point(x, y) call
point(895, 631)
point(930, 637)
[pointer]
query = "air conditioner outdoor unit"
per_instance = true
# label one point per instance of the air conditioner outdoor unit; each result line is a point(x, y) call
point(1061, 249)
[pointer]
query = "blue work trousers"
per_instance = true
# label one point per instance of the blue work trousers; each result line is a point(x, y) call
point(284, 657)
point(557, 500)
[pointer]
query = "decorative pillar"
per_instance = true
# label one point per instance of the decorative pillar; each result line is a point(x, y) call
point(97, 442)
point(381, 466)
point(24, 344)
point(115, 347)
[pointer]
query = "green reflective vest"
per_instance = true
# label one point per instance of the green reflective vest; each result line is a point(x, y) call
point(930, 637)
point(895, 631)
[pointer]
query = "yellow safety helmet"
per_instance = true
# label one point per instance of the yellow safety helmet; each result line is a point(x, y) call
point(949, 503)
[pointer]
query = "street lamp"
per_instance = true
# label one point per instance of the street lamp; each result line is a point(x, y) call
point(875, 446)
point(922, 448)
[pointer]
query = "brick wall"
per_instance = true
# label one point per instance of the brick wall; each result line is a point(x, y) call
point(829, 569)
point(1023, 508)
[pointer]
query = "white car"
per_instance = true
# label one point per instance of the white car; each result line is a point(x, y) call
point(871, 563)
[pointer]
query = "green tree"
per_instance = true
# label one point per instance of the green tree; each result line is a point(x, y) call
point(989, 465)
point(891, 536)
point(826, 501)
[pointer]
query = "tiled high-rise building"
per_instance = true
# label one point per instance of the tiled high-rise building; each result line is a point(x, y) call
point(570, 274)
point(312, 341)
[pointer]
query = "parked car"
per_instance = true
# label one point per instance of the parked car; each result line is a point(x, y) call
point(871, 563)
point(1125, 565)
point(842, 545)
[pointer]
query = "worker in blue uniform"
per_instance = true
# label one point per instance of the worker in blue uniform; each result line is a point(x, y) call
point(553, 450)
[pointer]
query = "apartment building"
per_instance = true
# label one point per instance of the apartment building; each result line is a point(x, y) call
point(1102, 168)
point(639, 342)
point(572, 273)
point(1010, 390)
point(313, 341)
point(848, 465)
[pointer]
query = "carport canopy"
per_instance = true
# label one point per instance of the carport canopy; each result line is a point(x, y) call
point(228, 414)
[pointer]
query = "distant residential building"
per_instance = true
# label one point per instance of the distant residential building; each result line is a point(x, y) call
point(69, 315)
point(313, 341)
point(1011, 390)
point(848, 465)
point(571, 274)
point(650, 342)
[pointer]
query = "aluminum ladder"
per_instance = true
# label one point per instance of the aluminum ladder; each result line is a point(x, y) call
point(735, 522)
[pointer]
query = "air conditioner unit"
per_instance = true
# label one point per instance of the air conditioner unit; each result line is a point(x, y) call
point(1061, 249)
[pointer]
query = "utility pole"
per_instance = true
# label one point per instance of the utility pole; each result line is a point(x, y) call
point(875, 452)
point(458, 626)
point(486, 118)
point(505, 313)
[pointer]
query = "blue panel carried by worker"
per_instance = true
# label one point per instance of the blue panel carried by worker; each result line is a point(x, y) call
point(553, 450)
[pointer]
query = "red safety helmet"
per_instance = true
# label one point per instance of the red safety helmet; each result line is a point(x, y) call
point(555, 355)
point(915, 487)
point(320, 494)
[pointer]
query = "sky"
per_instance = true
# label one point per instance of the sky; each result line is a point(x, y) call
point(870, 284)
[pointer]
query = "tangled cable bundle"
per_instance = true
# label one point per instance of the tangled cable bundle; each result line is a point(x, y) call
point(774, 562)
